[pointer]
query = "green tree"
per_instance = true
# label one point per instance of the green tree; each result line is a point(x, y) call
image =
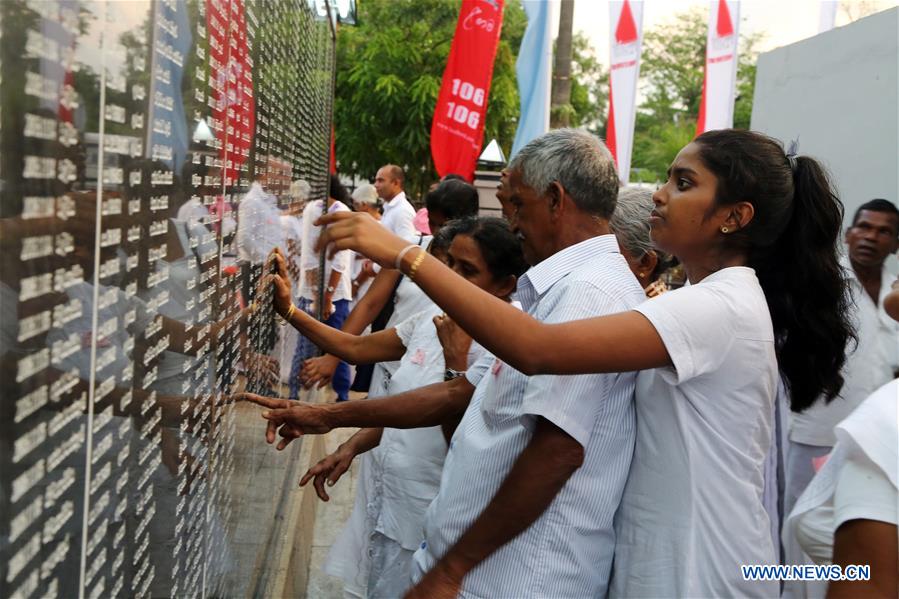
point(389, 70)
point(589, 87)
point(671, 72)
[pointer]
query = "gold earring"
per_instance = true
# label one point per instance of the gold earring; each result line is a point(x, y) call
point(724, 229)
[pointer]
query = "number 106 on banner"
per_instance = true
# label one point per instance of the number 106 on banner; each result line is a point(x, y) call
point(461, 113)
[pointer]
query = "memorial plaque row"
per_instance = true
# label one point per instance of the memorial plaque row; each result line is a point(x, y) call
point(130, 133)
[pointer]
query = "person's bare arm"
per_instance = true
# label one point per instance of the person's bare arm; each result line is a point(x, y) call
point(371, 304)
point(426, 406)
point(355, 349)
point(538, 475)
point(330, 468)
point(616, 343)
point(872, 543)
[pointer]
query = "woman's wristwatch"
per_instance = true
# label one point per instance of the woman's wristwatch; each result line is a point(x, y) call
point(450, 374)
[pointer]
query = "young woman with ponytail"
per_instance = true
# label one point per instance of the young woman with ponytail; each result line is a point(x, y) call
point(756, 231)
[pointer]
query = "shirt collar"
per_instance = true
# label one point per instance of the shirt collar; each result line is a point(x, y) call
point(886, 279)
point(541, 277)
point(397, 199)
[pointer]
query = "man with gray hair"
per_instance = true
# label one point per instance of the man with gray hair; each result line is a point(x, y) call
point(537, 467)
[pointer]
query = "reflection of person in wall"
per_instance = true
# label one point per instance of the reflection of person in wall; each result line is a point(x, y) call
point(337, 292)
point(122, 338)
point(187, 273)
point(292, 228)
point(258, 232)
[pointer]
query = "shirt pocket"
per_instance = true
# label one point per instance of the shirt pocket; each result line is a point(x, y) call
point(504, 395)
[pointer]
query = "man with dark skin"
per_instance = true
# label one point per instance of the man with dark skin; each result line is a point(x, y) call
point(398, 212)
point(873, 236)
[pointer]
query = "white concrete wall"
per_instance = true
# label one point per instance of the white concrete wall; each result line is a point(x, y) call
point(839, 93)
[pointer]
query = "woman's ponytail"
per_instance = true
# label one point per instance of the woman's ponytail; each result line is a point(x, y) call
point(807, 290)
point(792, 245)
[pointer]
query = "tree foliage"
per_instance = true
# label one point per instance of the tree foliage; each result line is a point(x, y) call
point(671, 75)
point(389, 70)
point(589, 87)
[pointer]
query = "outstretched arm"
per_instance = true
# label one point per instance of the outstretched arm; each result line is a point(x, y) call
point(320, 370)
point(427, 406)
point(383, 346)
point(616, 343)
point(380, 347)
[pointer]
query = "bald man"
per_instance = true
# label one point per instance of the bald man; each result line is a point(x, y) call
point(398, 212)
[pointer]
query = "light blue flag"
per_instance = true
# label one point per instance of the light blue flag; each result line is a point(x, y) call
point(167, 125)
point(534, 70)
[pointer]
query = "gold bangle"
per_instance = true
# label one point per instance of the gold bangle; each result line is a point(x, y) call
point(414, 268)
point(290, 312)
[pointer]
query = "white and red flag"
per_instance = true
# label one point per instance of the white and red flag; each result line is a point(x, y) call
point(717, 108)
point(626, 35)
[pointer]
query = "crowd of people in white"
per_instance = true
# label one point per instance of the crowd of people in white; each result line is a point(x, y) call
point(546, 419)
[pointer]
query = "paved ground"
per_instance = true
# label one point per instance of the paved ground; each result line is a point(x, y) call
point(329, 520)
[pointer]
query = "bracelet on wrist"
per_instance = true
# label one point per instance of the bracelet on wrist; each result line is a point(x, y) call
point(413, 270)
point(399, 257)
point(290, 312)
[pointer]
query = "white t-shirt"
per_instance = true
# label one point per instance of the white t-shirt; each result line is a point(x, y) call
point(859, 479)
point(692, 509)
point(309, 259)
point(408, 300)
point(868, 366)
point(176, 374)
point(399, 216)
point(412, 459)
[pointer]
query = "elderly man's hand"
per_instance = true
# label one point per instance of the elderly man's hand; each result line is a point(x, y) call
point(289, 419)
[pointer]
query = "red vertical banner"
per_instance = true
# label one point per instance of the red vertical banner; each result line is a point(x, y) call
point(457, 131)
point(231, 85)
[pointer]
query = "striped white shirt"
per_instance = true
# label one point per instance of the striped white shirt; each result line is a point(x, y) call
point(567, 551)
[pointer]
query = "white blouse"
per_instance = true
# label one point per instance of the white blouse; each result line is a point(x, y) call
point(692, 509)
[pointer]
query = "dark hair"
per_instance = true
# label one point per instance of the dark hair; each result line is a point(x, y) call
point(500, 247)
point(792, 244)
point(337, 191)
point(453, 177)
point(453, 199)
point(877, 205)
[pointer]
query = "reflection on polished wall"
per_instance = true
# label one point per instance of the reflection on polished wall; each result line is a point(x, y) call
point(129, 134)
